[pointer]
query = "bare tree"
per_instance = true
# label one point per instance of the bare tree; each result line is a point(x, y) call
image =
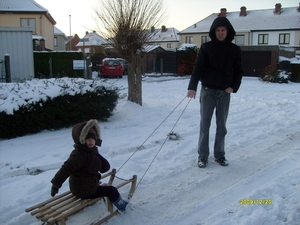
point(126, 24)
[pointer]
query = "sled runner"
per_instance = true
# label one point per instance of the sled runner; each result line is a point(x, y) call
point(57, 209)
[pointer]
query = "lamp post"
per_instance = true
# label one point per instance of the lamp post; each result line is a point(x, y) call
point(84, 70)
point(70, 33)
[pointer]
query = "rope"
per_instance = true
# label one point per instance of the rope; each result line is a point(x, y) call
point(151, 134)
point(162, 144)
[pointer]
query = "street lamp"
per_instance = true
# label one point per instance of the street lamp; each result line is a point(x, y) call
point(84, 40)
point(70, 33)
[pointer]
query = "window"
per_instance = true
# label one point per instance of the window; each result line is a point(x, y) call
point(55, 41)
point(263, 39)
point(205, 39)
point(284, 38)
point(27, 22)
point(189, 39)
point(240, 39)
point(169, 45)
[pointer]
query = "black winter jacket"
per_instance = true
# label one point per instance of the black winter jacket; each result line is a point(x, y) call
point(84, 164)
point(83, 167)
point(218, 65)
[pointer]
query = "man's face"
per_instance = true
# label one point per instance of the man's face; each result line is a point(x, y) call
point(221, 33)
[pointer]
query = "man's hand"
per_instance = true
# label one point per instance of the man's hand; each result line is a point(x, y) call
point(229, 90)
point(191, 94)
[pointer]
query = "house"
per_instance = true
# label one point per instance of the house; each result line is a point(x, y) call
point(167, 38)
point(71, 42)
point(277, 26)
point(263, 35)
point(28, 13)
point(59, 40)
point(91, 43)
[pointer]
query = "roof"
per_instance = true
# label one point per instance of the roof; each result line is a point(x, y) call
point(149, 48)
point(21, 6)
point(255, 20)
point(57, 31)
point(37, 37)
point(94, 39)
point(164, 35)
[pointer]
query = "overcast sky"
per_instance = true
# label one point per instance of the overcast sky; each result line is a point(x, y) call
point(181, 13)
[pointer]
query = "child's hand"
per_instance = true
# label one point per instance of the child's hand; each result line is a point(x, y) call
point(54, 190)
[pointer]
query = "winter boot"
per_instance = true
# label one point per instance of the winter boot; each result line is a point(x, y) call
point(202, 163)
point(222, 161)
point(120, 204)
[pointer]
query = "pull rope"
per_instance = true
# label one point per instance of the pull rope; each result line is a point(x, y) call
point(162, 144)
point(151, 134)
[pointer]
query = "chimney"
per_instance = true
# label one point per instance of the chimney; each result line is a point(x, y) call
point(86, 32)
point(152, 29)
point(298, 9)
point(243, 11)
point(277, 9)
point(163, 29)
point(223, 12)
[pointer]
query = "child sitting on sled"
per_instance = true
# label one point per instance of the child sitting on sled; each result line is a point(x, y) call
point(84, 166)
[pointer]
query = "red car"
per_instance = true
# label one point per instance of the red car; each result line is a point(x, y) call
point(110, 68)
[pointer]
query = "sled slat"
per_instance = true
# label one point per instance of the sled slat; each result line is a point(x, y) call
point(57, 209)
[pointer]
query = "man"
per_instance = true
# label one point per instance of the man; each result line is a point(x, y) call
point(219, 68)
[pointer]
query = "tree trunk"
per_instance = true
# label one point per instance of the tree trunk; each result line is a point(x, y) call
point(135, 80)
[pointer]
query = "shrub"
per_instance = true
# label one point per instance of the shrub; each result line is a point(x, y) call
point(60, 112)
point(271, 74)
point(186, 60)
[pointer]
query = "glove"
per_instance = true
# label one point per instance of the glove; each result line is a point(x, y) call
point(54, 190)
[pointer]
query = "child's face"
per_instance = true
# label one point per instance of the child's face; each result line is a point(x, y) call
point(90, 142)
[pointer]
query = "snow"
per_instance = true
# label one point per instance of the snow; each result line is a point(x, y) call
point(262, 148)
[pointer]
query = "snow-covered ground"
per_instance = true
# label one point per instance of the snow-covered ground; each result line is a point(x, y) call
point(262, 148)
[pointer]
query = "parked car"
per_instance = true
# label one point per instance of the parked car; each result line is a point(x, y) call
point(110, 67)
point(125, 65)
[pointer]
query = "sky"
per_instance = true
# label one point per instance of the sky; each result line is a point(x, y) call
point(262, 148)
point(180, 14)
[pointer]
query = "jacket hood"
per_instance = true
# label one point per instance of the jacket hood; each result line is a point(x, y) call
point(81, 130)
point(222, 21)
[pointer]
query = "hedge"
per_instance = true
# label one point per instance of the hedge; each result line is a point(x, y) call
point(59, 112)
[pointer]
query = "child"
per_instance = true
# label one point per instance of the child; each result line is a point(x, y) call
point(83, 167)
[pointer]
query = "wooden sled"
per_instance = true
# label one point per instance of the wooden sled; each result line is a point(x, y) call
point(57, 209)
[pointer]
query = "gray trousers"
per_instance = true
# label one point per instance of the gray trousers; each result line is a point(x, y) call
point(211, 99)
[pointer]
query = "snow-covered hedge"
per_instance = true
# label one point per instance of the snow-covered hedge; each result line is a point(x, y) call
point(36, 105)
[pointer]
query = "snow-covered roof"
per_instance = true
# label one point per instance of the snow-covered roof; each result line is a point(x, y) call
point(164, 35)
point(56, 30)
point(149, 48)
point(38, 37)
point(94, 39)
point(21, 6)
point(255, 20)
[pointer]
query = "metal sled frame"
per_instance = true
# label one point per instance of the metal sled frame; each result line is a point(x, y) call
point(57, 209)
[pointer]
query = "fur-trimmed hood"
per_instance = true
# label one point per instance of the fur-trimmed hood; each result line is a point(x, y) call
point(81, 130)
